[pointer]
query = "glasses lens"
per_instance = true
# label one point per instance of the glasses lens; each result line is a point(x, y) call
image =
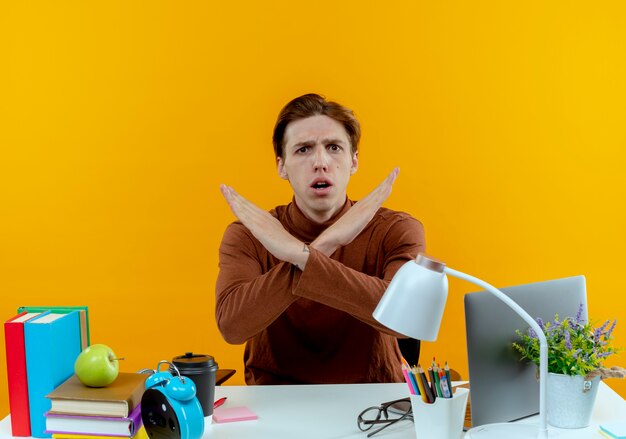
point(369, 417)
point(399, 407)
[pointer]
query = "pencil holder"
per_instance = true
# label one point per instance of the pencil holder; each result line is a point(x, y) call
point(442, 419)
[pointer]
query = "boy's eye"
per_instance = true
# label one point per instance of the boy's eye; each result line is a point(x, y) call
point(302, 150)
point(334, 147)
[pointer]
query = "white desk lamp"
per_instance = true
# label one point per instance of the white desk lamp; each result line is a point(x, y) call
point(413, 305)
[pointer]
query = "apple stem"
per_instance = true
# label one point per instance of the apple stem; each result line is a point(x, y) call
point(117, 359)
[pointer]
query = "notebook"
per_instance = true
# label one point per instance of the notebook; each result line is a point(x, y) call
point(503, 388)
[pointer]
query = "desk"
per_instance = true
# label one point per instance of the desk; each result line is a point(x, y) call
point(330, 411)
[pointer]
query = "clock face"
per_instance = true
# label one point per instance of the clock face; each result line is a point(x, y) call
point(158, 416)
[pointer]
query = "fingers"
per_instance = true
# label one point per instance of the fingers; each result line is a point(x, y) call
point(383, 190)
point(391, 178)
point(225, 190)
point(245, 211)
point(238, 204)
point(231, 198)
point(394, 174)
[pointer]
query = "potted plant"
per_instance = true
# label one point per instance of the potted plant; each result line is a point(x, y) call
point(576, 353)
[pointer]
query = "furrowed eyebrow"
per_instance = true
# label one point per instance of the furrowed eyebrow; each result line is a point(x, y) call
point(311, 143)
point(303, 144)
point(337, 141)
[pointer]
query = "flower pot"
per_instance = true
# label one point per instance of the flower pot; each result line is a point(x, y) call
point(570, 400)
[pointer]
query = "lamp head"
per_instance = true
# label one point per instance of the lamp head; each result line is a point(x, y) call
point(414, 300)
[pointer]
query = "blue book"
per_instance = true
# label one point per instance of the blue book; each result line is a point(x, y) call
point(52, 345)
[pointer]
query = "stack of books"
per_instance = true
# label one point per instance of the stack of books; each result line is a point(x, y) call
point(78, 411)
point(141, 434)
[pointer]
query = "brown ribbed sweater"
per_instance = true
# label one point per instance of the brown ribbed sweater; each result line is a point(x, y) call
point(314, 326)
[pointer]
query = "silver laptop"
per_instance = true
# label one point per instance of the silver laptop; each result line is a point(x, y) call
point(502, 388)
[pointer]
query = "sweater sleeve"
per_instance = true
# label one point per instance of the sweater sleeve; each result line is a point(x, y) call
point(330, 282)
point(247, 299)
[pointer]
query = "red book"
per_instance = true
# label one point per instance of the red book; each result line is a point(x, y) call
point(16, 373)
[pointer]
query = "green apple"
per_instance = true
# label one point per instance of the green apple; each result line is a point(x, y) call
point(97, 366)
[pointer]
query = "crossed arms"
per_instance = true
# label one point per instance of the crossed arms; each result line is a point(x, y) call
point(253, 291)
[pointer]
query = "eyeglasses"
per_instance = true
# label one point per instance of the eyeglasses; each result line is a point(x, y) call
point(386, 414)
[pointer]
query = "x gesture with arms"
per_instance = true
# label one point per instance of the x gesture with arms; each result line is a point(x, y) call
point(299, 284)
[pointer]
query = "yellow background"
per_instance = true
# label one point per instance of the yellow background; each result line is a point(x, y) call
point(119, 119)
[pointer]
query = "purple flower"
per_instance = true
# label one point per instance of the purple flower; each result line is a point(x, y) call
point(596, 334)
point(608, 334)
point(551, 328)
point(579, 314)
point(603, 327)
point(603, 354)
point(531, 333)
point(568, 343)
point(598, 331)
point(575, 355)
point(540, 323)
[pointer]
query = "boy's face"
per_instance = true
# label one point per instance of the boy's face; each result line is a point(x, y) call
point(318, 162)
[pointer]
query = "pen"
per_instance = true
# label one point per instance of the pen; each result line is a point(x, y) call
point(219, 402)
point(445, 389)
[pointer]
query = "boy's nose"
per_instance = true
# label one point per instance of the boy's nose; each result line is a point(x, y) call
point(320, 160)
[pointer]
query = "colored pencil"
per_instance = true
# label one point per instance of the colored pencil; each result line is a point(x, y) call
point(429, 394)
point(420, 385)
point(409, 380)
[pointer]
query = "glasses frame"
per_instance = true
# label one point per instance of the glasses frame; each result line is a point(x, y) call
point(382, 412)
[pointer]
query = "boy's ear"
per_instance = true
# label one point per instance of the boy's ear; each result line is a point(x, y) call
point(280, 165)
point(355, 163)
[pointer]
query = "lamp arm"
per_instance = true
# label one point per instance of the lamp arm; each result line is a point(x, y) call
point(543, 343)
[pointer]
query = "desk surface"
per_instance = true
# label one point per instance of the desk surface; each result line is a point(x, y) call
point(330, 411)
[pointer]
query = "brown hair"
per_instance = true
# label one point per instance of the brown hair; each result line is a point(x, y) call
point(312, 105)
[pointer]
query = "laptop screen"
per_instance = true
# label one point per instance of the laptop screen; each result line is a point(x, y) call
point(503, 388)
